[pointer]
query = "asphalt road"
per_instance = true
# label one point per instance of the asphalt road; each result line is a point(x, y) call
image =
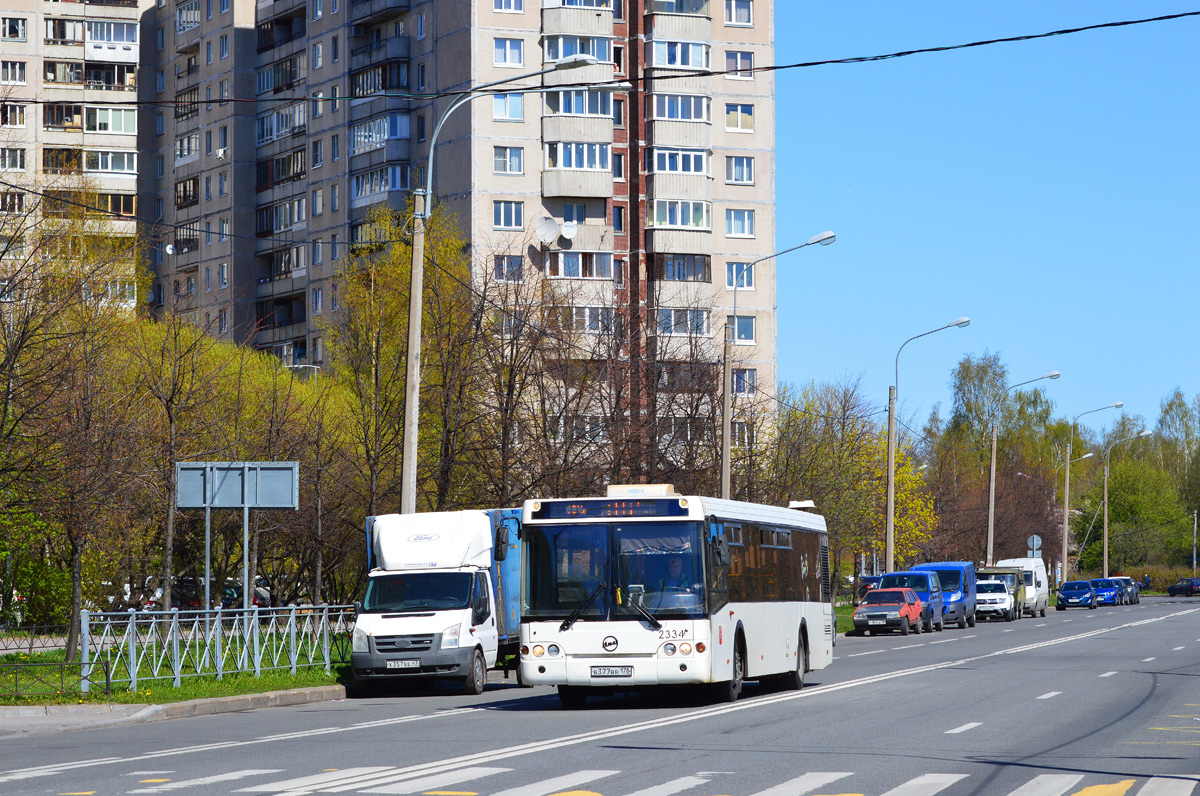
point(1094, 703)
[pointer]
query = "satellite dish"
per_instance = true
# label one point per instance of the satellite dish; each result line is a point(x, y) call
point(546, 229)
point(170, 248)
point(569, 228)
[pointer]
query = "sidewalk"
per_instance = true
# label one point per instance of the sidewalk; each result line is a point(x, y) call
point(36, 720)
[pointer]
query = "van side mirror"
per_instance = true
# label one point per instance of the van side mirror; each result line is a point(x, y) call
point(357, 608)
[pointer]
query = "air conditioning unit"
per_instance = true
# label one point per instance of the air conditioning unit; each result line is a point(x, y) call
point(221, 153)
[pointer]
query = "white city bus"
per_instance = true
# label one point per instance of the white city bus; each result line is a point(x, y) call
point(646, 587)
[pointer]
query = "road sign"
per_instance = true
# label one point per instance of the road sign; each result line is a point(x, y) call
point(1034, 542)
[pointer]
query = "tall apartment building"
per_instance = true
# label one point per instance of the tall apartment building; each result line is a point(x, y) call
point(283, 123)
point(68, 124)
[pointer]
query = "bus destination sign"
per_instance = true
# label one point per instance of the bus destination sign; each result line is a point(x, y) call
point(597, 508)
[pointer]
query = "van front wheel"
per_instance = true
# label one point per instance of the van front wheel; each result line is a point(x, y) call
point(477, 676)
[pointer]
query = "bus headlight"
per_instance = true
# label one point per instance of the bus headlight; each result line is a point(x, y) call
point(553, 650)
point(685, 649)
point(450, 637)
point(358, 641)
point(539, 651)
point(669, 649)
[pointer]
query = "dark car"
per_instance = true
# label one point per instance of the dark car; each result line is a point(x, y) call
point(865, 584)
point(1107, 592)
point(889, 609)
point(1133, 592)
point(1076, 594)
point(1184, 587)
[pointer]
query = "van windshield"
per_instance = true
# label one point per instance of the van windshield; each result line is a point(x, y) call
point(418, 591)
point(917, 583)
point(950, 579)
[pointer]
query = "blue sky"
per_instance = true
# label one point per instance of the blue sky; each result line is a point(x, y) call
point(1047, 189)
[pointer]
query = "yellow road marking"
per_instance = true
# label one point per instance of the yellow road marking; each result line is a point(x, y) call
point(1115, 789)
point(329, 769)
point(1175, 729)
point(576, 793)
point(78, 793)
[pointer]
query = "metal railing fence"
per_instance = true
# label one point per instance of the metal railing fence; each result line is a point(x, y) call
point(32, 638)
point(173, 645)
point(30, 679)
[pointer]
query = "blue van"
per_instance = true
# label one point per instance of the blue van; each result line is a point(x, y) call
point(958, 589)
point(927, 587)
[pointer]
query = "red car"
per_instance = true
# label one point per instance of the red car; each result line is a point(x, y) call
point(889, 609)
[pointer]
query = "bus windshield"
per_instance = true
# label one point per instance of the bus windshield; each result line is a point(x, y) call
point(418, 591)
point(656, 566)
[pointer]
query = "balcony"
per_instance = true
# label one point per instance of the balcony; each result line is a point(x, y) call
point(283, 283)
point(699, 8)
point(389, 49)
point(577, 182)
point(668, 132)
point(577, 128)
point(681, 27)
point(365, 12)
point(577, 20)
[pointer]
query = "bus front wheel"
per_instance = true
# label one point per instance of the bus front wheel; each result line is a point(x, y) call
point(731, 689)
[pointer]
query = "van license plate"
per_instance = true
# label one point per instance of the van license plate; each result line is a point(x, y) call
point(403, 664)
point(612, 671)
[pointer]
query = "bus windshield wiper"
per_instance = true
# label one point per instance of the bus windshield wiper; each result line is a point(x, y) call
point(641, 609)
point(583, 606)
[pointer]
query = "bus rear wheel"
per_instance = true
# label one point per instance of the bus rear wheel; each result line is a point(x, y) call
point(794, 681)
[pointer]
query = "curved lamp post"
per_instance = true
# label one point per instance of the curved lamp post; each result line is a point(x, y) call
point(412, 374)
point(890, 531)
point(1067, 487)
point(1106, 452)
point(824, 239)
point(991, 539)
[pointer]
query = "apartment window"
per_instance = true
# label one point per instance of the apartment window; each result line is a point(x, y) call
point(12, 115)
point(745, 381)
point(223, 275)
point(421, 26)
point(743, 327)
point(334, 50)
point(208, 98)
point(681, 107)
point(160, 81)
point(223, 91)
point(739, 223)
point(421, 127)
point(318, 103)
point(187, 146)
point(317, 245)
point(159, 123)
point(580, 265)
point(684, 54)
point(333, 197)
point(223, 321)
point(586, 320)
point(619, 59)
point(13, 29)
point(207, 188)
point(579, 102)
point(618, 112)
point(618, 169)
point(110, 120)
point(333, 6)
point(223, 229)
point(509, 268)
point(511, 6)
point(187, 193)
point(739, 275)
point(742, 433)
point(159, 170)
point(683, 267)
point(682, 213)
point(565, 46)
point(739, 12)
point(208, 52)
point(318, 202)
point(208, 279)
point(318, 305)
point(318, 9)
point(207, 231)
point(686, 161)
point(739, 117)
point(739, 65)
point(682, 322)
point(739, 170)
point(224, 6)
point(161, 38)
point(508, 107)
point(12, 73)
point(208, 8)
point(507, 215)
point(318, 55)
point(335, 102)
point(507, 159)
point(420, 77)
point(12, 159)
point(574, 212)
point(224, 45)
point(507, 52)
point(208, 142)
point(317, 158)
point(619, 219)
point(572, 155)
point(223, 137)
point(333, 255)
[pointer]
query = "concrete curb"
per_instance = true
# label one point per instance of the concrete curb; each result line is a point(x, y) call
point(234, 704)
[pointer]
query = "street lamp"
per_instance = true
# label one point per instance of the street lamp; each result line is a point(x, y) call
point(991, 539)
point(890, 532)
point(824, 239)
point(1067, 485)
point(412, 375)
point(1106, 452)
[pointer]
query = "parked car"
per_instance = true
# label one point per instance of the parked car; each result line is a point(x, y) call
point(1076, 594)
point(1184, 587)
point(1013, 578)
point(1133, 593)
point(927, 587)
point(889, 609)
point(1037, 585)
point(1107, 592)
point(957, 579)
point(994, 601)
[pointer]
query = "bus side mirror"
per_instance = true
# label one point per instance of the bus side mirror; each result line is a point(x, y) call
point(500, 548)
point(720, 551)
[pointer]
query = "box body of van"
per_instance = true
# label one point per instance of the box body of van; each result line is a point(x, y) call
point(927, 587)
point(1037, 585)
point(957, 579)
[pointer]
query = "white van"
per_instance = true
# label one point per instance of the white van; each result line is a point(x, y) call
point(1037, 585)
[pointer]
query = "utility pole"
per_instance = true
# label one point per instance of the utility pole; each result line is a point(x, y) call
point(889, 544)
point(727, 409)
point(991, 547)
point(412, 380)
point(1105, 517)
point(1193, 543)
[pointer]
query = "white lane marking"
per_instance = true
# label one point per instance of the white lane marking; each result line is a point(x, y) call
point(970, 725)
point(434, 782)
point(669, 788)
point(1043, 624)
point(1010, 630)
point(860, 654)
point(191, 783)
point(1147, 660)
point(926, 785)
point(908, 646)
point(1050, 694)
point(1068, 620)
point(1177, 649)
point(595, 735)
point(804, 784)
point(315, 780)
point(1048, 785)
point(148, 773)
point(944, 641)
point(1108, 674)
point(970, 636)
point(1170, 786)
point(556, 784)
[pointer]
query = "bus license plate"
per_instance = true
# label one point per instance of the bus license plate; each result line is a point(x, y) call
point(612, 671)
point(403, 664)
